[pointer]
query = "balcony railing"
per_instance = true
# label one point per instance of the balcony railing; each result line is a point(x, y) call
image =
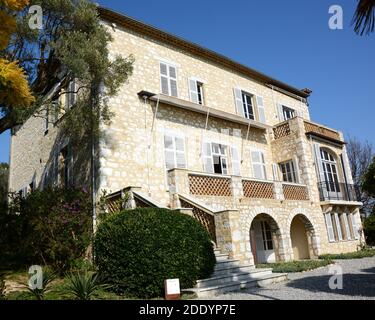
point(201, 185)
point(281, 131)
point(258, 189)
point(338, 191)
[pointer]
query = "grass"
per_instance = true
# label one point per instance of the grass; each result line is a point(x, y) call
point(296, 266)
point(365, 253)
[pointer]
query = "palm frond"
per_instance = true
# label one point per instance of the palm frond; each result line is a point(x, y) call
point(364, 17)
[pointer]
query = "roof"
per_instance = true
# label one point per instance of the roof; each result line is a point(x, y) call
point(164, 37)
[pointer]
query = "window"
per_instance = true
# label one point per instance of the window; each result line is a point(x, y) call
point(215, 158)
point(259, 164)
point(288, 171)
point(71, 94)
point(174, 150)
point(288, 113)
point(248, 106)
point(330, 171)
point(168, 79)
point(196, 91)
point(267, 236)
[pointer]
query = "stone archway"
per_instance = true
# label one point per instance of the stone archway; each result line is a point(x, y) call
point(279, 237)
point(265, 239)
point(303, 236)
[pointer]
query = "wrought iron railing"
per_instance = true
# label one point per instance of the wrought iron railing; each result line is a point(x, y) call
point(338, 191)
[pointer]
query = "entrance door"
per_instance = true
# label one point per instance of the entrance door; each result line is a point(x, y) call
point(264, 250)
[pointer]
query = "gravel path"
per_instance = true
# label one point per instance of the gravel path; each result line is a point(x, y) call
point(358, 284)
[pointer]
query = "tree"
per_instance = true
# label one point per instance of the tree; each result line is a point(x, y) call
point(360, 156)
point(72, 44)
point(4, 172)
point(364, 17)
point(14, 89)
point(368, 184)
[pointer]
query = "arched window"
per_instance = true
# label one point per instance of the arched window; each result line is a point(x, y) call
point(330, 171)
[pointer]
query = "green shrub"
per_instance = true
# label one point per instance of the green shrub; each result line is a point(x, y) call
point(369, 229)
point(84, 285)
point(365, 253)
point(2, 287)
point(296, 266)
point(137, 250)
point(51, 227)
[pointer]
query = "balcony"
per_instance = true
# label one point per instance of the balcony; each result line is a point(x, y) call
point(200, 185)
point(334, 191)
point(323, 132)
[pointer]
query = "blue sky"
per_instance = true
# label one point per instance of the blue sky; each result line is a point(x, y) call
point(289, 40)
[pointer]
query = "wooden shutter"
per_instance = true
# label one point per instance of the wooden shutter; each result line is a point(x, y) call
point(170, 162)
point(347, 228)
point(338, 226)
point(280, 112)
point(331, 234)
point(275, 171)
point(261, 110)
point(239, 102)
point(207, 158)
point(236, 163)
point(296, 168)
point(180, 153)
point(193, 90)
point(258, 164)
point(173, 81)
point(354, 227)
point(318, 163)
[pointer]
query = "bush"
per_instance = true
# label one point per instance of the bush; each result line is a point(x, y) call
point(369, 229)
point(365, 253)
point(49, 227)
point(137, 250)
point(296, 266)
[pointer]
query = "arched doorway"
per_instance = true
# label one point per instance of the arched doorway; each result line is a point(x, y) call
point(298, 235)
point(264, 239)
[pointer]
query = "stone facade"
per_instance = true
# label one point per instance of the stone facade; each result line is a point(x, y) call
point(132, 151)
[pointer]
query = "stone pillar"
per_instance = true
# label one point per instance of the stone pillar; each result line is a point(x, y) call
point(178, 183)
point(237, 190)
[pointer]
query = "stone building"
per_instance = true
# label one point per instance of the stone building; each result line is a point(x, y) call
point(196, 131)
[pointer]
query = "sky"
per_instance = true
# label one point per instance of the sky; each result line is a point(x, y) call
point(289, 40)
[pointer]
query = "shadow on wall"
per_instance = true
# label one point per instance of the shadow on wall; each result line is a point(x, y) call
point(362, 284)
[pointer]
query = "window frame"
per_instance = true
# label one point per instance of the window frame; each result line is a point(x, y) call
point(245, 105)
point(292, 172)
point(174, 150)
point(288, 113)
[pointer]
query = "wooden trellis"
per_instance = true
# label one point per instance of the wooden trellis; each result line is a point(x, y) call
point(258, 189)
point(207, 220)
point(292, 192)
point(210, 186)
point(282, 130)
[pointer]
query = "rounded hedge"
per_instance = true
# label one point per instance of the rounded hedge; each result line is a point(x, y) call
point(137, 250)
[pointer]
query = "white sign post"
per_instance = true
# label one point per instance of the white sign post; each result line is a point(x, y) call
point(172, 289)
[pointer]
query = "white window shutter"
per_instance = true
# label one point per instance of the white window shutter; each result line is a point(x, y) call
point(275, 171)
point(169, 152)
point(239, 102)
point(193, 89)
point(338, 226)
point(296, 168)
point(207, 158)
point(347, 228)
point(236, 162)
point(280, 112)
point(318, 163)
point(261, 110)
point(331, 234)
point(180, 153)
point(354, 226)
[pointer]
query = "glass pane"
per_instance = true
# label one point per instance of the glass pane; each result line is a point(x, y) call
point(172, 72)
point(179, 144)
point(164, 86)
point(168, 142)
point(163, 69)
point(173, 88)
point(255, 156)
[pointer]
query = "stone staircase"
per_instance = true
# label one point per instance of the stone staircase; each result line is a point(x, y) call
point(230, 276)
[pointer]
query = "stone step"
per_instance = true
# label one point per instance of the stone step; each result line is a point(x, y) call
point(224, 264)
point(233, 277)
point(231, 269)
point(212, 291)
point(222, 257)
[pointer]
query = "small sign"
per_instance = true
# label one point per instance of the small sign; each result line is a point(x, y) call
point(172, 289)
